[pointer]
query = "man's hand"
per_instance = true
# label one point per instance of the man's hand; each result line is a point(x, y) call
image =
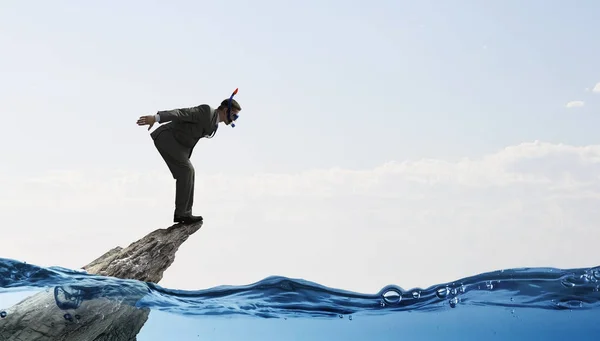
point(149, 119)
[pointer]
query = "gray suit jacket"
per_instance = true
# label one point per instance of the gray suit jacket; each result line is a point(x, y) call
point(188, 125)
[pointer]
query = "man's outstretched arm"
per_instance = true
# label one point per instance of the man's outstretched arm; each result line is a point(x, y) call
point(198, 114)
point(194, 114)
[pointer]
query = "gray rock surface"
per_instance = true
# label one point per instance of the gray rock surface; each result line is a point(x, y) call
point(146, 259)
point(38, 317)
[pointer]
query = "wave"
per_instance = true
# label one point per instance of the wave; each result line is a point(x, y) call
point(283, 297)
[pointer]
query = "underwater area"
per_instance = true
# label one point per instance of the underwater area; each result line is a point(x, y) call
point(54, 303)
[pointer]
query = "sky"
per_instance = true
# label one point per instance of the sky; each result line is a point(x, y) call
point(400, 142)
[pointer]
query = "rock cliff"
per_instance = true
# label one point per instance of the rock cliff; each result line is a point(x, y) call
point(57, 313)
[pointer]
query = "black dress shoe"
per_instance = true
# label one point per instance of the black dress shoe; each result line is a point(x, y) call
point(187, 219)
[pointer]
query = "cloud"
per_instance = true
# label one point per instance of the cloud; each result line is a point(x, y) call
point(597, 87)
point(411, 223)
point(575, 104)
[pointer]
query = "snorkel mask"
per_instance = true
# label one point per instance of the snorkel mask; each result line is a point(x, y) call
point(231, 117)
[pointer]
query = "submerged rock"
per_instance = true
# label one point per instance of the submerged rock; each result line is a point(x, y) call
point(61, 314)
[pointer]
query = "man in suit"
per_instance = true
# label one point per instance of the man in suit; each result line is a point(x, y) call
point(175, 142)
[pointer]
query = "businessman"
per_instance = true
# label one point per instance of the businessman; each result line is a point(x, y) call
point(175, 142)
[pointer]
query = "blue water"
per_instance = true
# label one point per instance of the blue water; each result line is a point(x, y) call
point(510, 304)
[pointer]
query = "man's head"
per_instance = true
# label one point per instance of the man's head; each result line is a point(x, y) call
point(222, 109)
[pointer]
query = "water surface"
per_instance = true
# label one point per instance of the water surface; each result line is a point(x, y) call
point(510, 304)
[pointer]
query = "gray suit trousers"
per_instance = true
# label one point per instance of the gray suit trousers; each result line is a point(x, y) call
point(177, 158)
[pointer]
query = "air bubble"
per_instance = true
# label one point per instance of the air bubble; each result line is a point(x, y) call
point(392, 295)
point(453, 302)
point(442, 292)
point(416, 294)
point(3, 314)
point(67, 298)
point(570, 304)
